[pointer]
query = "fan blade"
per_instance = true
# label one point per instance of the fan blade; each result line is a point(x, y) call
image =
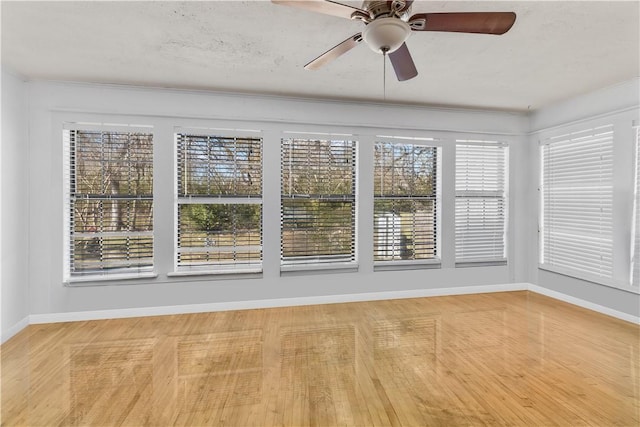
point(403, 64)
point(464, 22)
point(327, 7)
point(335, 52)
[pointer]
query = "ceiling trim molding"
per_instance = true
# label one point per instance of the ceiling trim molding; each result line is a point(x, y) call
point(206, 105)
point(610, 100)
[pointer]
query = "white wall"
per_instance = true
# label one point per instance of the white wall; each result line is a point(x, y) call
point(53, 103)
point(13, 201)
point(618, 105)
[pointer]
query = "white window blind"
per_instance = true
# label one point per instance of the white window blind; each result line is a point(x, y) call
point(636, 260)
point(481, 202)
point(577, 201)
point(110, 202)
point(318, 201)
point(405, 211)
point(219, 203)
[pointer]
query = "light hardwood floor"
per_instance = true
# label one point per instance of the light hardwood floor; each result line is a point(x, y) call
point(513, 358)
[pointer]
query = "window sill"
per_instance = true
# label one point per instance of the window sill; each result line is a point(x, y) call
point(406, 265)
point(228, 272)
point(488, 263)
point(603, 281)
point(294, 269)
point(106, 279)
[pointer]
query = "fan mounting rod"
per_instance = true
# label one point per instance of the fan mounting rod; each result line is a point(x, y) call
point(377, 8)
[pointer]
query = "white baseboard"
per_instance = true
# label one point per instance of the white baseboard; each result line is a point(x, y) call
point(584, 304)
point(14, 329)
point(270, 303)
point(324, 299)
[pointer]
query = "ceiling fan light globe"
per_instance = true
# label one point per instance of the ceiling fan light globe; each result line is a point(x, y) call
point(386, 34)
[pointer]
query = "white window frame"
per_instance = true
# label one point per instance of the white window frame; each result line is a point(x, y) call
point(211, 269)
point(436, 261)
point(574, 134)
point(302, 265)
point(96, 277)
point(635, 233)
point(502, 193)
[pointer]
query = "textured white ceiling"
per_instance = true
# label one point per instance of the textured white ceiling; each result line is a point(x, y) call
point(554, 51)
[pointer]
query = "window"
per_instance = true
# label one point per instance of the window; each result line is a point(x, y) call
point(219, 203)
point(405, 202)
point(636, 260)
point(318, 202)
point(577, 200)
point(110, 209)
point(481, 202)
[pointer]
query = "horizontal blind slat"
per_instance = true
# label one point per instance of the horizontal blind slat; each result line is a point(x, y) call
point(405, 201)
point(219, 190)
point(317, 201)
point(480, 208)
point(110, 201)
point(577, 199)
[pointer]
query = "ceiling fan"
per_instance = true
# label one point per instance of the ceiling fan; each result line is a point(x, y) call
point(389, 24)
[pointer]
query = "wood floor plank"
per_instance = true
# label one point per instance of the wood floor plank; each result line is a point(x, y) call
point(512, 358)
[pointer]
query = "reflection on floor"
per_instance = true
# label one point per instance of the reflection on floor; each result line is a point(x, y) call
point(100, 373)
point(514, 358)
point(318, 366)
point(214, 367)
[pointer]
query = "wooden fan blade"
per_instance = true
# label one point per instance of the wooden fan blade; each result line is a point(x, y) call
point(464, 22)
point(334, 52)
point(327, 7)
point(403, 63)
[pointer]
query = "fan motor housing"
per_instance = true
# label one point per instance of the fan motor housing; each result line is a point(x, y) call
point(377, 8)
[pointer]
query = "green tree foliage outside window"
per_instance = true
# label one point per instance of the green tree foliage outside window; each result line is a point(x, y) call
point(219, 201)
